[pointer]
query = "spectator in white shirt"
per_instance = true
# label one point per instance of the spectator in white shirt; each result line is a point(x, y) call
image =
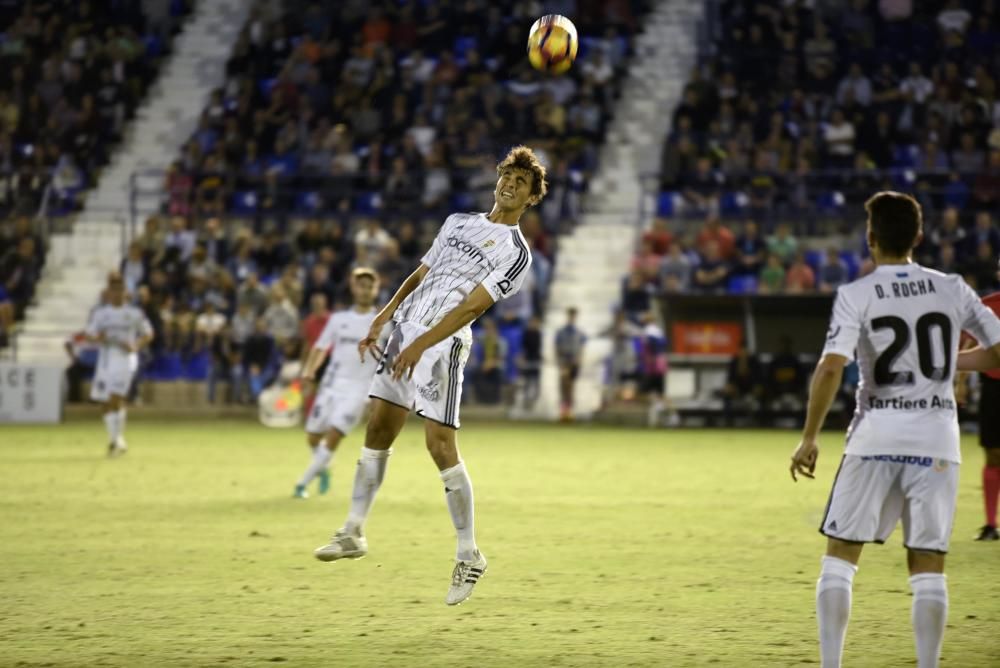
point(916, 86)
point(954, 17)
point(858, 83)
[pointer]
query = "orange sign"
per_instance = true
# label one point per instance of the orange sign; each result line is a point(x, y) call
point(707, 337)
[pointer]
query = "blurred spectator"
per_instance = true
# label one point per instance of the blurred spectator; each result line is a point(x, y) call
point(252, 295)
point(490, 371)
point(530, 361)
point(744, 388)
point(646, 262)
point(569, 345)
point(659, 236)
point(785, 378)
point(783, 244)
point(256, 366)
point(833, 272)
point(675, 270)
point(18, 275)
point(715, 232)
point(772, 276)
point(800, 277)
point(636, 295)
point(281, 317)
point(750, 250)
point(711, 274)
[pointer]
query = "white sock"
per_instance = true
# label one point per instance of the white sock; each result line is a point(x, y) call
point(458, 494)
point(367, 479)
point(121, 421)
point(833, 607)
point(930, 612)
point(111, 422)
point(320, 460)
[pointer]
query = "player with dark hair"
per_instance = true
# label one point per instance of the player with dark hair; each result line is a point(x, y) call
point(901, 460)
point(476, 260)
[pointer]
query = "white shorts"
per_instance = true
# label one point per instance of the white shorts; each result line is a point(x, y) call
point(871, 493)
point(335, 408)
point(435, 390)
point(111, 380)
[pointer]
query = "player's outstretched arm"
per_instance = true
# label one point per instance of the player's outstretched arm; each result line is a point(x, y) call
point(370, 342)
point(313, 362)
point(822, 391)
point(471, 308)
point(979, 359)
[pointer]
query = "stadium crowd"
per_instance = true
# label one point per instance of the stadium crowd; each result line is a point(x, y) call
point(344, 135)
point(71, 75)
point(795, 115)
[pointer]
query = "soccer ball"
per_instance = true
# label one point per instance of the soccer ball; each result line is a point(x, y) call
point(552, 44)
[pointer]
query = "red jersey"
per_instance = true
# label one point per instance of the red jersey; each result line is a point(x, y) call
point(312, 327)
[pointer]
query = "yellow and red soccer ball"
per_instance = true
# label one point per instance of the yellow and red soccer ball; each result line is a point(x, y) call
point(552, 44)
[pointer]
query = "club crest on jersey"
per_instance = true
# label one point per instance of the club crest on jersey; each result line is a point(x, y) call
point(489, 243)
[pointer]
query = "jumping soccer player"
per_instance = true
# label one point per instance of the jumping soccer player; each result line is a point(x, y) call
point(476, 260)
point(902, 454)
point(342, 393)
point(121, 330)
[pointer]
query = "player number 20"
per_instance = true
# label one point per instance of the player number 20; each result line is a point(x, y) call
point(928, 323)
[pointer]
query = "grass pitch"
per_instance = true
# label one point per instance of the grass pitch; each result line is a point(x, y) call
point(607, 547)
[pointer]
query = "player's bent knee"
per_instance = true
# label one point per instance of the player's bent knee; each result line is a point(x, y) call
point(924, 561)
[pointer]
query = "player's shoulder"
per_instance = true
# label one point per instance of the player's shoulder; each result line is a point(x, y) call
point(459, 220)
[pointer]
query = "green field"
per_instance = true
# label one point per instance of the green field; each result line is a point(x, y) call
point(607, 547)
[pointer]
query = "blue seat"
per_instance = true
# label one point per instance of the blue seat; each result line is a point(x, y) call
point(665, 204)
point(831, 202)
point(730, 204)
point(742, 285)
point(367, 203)
point(814, 259)
point(308, 201)
point(853, 264)
point(266, 85)
point(196, 367)
point(244, 201)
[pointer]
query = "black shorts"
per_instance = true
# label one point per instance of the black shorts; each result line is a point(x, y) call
point(654, 383)
point(989, 412)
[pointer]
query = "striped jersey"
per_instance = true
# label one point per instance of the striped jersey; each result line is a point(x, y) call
point(121, 326)
point(904, 321)
point(469, 250)
point(342, 332)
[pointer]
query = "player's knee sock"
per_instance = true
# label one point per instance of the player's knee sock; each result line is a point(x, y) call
point(320, 460)
point(991, 490)
point(111, 424)
point(367, 479)
point(121, 421)
point(458, 494)
point(930, 612)
point(833, 607)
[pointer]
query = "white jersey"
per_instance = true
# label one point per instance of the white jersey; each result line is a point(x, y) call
point(343, 331)
point(905, 322)
point(120, 326)
point(469, 250)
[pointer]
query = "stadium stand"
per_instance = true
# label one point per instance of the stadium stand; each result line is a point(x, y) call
point(793, 117)
point(344, 135)
point(71, 76)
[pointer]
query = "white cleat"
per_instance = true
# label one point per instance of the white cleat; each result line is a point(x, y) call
point(464, 578)
point(343, 545)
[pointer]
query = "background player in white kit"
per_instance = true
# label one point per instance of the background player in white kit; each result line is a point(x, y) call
point(902, 454)
point(476, 260)
point(343, 391)
point(121, 330)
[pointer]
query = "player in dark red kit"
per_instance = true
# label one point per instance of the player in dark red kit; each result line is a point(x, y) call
point(989, 437)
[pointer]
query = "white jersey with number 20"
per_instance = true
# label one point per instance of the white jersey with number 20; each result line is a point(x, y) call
point(905, 322)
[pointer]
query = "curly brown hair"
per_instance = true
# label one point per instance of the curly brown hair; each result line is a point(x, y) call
point(522, 157)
